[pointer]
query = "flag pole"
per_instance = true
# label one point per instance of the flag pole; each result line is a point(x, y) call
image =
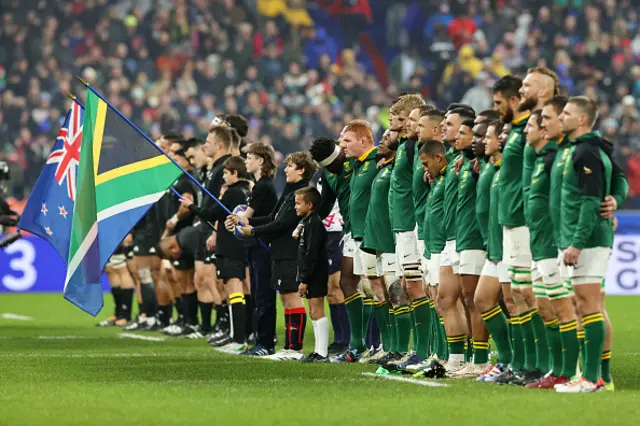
point(187, 174)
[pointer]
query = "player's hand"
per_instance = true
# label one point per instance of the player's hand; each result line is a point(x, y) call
point(381, 163)
point(128, 240)
point(247, 230)
point(615, 223)
point(571, 256)
point(458, 165)
point(186, 202)
point(607, 207)
point(297, 232)
point(476, 165)
point(211, 242)
point(302, 290)
point(233, 219)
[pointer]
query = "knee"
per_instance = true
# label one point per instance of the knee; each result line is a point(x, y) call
point(468, 300)
point(446, 301)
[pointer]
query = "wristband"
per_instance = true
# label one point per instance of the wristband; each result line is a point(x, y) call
point(174, 219)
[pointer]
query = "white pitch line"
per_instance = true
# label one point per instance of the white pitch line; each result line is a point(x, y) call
point(407, 380)
point(62, 337)
point(139, 337)
point(8, 315)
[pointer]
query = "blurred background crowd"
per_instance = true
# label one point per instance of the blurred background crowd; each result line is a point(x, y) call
point(299, 69)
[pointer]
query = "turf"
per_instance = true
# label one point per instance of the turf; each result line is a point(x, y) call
point(93, 376)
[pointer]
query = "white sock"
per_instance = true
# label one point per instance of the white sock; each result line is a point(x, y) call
point(321, 331)
point(456, 359)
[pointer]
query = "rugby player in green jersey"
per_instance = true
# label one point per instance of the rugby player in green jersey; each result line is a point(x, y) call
point(544, 251)
point(471, 250)
point(357, 143)
point(516, 251)
point(495, 277)
point(586, 238)
point(449, 292)
point(378, 240)
point(402, 212)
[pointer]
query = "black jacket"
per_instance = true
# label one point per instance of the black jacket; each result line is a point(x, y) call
point(313, 263)
point(227, 244)
point(278, 227)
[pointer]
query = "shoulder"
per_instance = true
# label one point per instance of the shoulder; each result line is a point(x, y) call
point(586, 153)
point(548, 159)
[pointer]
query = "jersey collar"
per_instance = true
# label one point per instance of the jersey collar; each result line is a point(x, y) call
point(366, 154)
point(520, 120)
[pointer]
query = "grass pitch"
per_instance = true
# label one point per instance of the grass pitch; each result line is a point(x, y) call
point(59, 369)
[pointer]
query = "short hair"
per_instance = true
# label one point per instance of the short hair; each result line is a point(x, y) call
point(557, 102)
point(549, 73)
point(587, 106)
point(223, 134)
point(172, 137)
point(434, 114)
point(164, 245)
point(490, 114)
point(464, 113)
point(322, 148)
point(497, 124)
point(192, 143)
point(468, 122)
point(238, 123)
point(509, 86)
point(537, 116)
point(361, 128)
point(423, 109)
point(310, 195)
point(407, 103)
point(302, 160)
point(268, 155)
point(432, 148)
point(236, 164)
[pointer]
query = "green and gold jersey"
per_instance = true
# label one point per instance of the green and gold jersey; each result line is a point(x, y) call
point(437, 236)
point(340, 186)
point(483, 197)
point(555, 186)
point(378, 236)
point(420, 193)
point(364, 172)
point(451, 199)
point(494, 246)
point(542, 242)
point(511, 172)
point(529, 158)
point(588, 174)
point(468, 236)
point(402, 211)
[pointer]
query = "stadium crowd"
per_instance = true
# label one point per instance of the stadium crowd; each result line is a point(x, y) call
point(297, 68)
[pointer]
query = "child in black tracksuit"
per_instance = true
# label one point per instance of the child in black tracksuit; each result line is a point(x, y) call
point(278, 228)
point(313, 268)
point(230, 251)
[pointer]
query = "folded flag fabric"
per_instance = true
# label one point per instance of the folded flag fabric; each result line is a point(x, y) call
point(49, 209)
point(120, 176)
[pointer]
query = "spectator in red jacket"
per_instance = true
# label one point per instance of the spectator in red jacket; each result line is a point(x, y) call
point(633, 174)
point(462, 29)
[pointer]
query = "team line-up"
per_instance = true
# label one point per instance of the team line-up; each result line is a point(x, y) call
point(459, 226)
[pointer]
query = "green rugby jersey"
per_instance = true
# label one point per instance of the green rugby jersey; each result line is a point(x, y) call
point(511, 172)
point(588, 173)
point(451, 199)
point(378, 236)
point(483, 197)
point(340, 186)
point(555, 187)
point(420, 193)
point(494, 246)
point(542, 242)
point(437, 236)
point(400, 194)
point(529, 158)
point(468, 236)
point(364, 172)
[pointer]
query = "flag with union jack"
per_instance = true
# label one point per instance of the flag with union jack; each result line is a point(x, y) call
point(49, 209)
